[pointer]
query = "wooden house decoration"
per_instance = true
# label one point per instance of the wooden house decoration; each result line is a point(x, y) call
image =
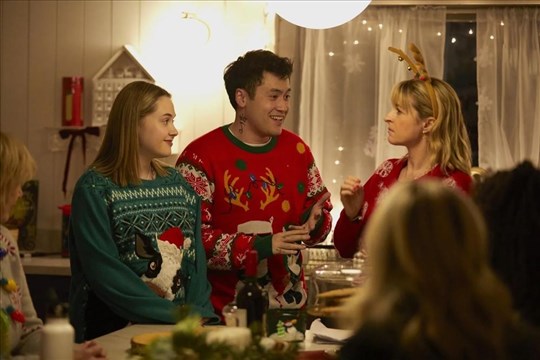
point(121, 69)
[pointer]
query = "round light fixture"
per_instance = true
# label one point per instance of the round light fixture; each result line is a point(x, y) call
point(318, 14)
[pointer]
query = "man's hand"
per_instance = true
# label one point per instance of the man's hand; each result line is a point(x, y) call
point(289, 242)
point(314, 215)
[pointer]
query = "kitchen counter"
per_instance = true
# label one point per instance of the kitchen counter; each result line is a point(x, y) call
point(54, 265)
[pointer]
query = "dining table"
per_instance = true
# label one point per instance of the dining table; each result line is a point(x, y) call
point(118, 343)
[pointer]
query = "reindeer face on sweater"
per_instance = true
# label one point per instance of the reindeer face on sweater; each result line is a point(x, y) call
point(164, 271)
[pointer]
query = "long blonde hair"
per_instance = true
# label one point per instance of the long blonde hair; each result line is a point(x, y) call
point(427, 246)
point(448, 141)
point(17, 166)
point(118, 156)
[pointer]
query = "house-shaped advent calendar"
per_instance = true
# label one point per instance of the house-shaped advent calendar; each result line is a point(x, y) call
point(124, 67)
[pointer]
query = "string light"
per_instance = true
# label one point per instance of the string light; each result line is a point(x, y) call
point(453, 39)
point(340, 148)
point(337, 162)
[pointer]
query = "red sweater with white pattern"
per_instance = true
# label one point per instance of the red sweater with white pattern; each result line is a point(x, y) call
point(347, 233)
point(249, 193)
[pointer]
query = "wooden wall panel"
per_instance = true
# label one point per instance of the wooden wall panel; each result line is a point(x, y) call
point(43, 105)
point(14, 69)
point(126, 17)
point(97, 46)
point(70, 62)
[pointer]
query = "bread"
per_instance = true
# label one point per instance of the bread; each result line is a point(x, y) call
point(338, 293)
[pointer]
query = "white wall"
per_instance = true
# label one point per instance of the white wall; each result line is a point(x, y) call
point(43, 41)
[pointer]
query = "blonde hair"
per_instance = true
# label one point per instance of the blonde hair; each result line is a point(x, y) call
point(427, 246)
point(448, 141)
point(118, 156)
point(17, 166)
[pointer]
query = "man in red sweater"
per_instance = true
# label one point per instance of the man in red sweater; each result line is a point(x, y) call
point(259, 185)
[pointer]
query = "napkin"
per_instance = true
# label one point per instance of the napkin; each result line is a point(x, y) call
point(321, 333)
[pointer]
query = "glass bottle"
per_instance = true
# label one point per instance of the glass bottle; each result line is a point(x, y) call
point(251, 300)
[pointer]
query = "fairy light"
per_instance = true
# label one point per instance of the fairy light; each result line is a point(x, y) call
point(355, 42)
point(471, 31)
point(340, 148)
point(380, 26)
point(502, 23)
point(439, 33)
point(400, 31)
point(492, 37)
point(364, 22)
point(331, 53)
point(337, 162)
point(369, 28)
point(454, 40)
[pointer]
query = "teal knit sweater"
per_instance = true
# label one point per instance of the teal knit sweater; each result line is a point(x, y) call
point(136, 253)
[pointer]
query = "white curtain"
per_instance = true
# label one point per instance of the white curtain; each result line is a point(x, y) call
point(347, 76)
point(508, 58)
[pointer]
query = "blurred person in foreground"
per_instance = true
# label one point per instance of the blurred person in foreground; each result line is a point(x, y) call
point(509, 201)
point(134, 236)
point(259, 185)
point(431, 293)
point(20, 326)
point(426, 118)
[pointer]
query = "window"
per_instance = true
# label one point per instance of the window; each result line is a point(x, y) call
point(460, 72)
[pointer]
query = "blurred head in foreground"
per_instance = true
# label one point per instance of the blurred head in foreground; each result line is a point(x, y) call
point(430, 285)
point(509, 201)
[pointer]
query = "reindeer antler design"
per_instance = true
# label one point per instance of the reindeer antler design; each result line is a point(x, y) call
point(269, 189)
point(235, 196)
point(419, 70)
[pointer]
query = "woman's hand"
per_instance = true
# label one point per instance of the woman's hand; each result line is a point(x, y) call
point(352, 196)
point(89, 350)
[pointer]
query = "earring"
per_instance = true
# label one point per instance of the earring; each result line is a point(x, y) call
point(243, 119)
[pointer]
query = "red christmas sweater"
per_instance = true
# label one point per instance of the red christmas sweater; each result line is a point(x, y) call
point(249, 193)
point(347, 233)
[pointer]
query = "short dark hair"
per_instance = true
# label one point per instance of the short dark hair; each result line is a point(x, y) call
point(509, 201)
point(247, 72)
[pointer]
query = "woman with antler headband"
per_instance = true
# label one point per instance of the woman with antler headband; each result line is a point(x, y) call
point(426, 118)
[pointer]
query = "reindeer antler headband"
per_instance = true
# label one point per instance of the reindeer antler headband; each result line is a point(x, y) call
point(420, 72)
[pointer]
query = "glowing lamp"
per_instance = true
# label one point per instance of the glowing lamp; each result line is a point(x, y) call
point(318, 14)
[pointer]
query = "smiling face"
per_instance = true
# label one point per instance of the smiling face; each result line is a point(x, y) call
point(267, 110)
point(404, 125)
point(157, 131)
